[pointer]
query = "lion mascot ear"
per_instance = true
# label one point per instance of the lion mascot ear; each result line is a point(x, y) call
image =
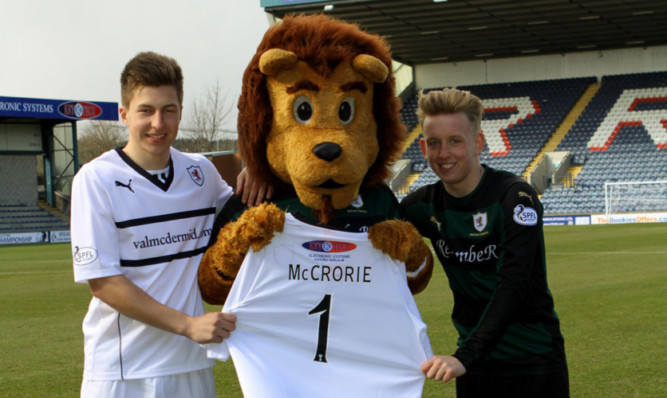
point(276, 60)
point(372, 68)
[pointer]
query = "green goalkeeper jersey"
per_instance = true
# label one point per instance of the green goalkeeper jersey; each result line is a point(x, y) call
point(491, 246)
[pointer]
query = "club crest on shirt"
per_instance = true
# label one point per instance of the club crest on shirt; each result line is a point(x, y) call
point(196, 175)
point(358, 203)
point(479, 221)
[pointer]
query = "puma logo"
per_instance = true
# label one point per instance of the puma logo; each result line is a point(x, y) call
point(525, 195)
point(120, 184)
point(435, 221)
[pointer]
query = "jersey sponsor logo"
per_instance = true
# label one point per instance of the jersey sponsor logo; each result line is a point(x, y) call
point(196, 175)
point(479, 221)
point(525, 215)
point(128, 185)
point(170, 238)
point(79, 110)
point(328, 246)
point(471, 255)
point(84, 255)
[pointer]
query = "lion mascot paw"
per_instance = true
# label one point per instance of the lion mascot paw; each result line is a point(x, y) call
point(221, 261)
point(401, 241)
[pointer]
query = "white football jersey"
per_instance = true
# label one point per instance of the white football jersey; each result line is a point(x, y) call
point(321, 313)
point(126, 221)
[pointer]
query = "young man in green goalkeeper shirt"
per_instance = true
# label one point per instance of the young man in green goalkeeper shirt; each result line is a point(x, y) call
point(486, 229)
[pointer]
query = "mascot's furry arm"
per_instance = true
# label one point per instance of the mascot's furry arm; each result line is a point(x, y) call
point(221, 262)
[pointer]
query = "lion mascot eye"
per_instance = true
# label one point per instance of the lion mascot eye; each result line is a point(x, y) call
point(303, 109)
point(346, 111)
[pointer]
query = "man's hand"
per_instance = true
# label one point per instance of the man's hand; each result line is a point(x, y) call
point(253, 191)
point(212, 327)
point(125, 297)
point(443, 368)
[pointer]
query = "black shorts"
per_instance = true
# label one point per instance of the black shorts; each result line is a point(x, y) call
point(546, 385)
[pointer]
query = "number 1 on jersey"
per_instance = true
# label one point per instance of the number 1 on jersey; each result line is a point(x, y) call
point(323, 333)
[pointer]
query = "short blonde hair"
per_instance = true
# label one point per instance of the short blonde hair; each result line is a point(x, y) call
point(451, 100)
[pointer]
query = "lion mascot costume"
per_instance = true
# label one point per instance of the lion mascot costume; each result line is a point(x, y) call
point(318, 120)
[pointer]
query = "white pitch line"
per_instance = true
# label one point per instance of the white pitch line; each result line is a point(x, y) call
point(31, 272)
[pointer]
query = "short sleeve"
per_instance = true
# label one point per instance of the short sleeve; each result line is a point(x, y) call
point(93, 232)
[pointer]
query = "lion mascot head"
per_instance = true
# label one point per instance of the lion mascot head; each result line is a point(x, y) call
point(318, 111)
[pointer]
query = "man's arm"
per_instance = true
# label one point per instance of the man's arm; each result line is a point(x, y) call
point(520, 247)
point(127, 298)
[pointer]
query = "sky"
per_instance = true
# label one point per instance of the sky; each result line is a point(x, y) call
point(76, 49)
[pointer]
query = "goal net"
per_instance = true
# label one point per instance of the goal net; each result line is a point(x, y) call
point(633, 196)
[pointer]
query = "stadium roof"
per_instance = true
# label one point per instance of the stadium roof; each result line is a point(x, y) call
point(427, 31)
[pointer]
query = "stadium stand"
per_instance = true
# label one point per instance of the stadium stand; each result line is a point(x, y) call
point(19, 218)
point(620, 136)
point(519, 118)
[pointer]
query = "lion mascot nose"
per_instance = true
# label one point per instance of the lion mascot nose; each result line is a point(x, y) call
point(327, 151)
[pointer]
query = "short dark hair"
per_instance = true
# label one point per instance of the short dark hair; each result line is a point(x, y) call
point(149, 69)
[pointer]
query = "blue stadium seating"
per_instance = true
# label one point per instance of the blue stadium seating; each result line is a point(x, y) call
point(409, 113)
point(631, 146)
point(629, 154)
point(550, 101)
point(18, 218)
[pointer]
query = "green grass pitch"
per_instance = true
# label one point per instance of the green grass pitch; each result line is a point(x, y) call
point(609, 283)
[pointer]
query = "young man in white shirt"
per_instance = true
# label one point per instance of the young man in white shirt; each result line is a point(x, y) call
point(141, 219)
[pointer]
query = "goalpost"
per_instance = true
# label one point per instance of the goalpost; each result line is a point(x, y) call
point(632, 196)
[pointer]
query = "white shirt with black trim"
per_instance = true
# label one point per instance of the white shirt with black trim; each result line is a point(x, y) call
point(321, 313)
point(126, 221)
